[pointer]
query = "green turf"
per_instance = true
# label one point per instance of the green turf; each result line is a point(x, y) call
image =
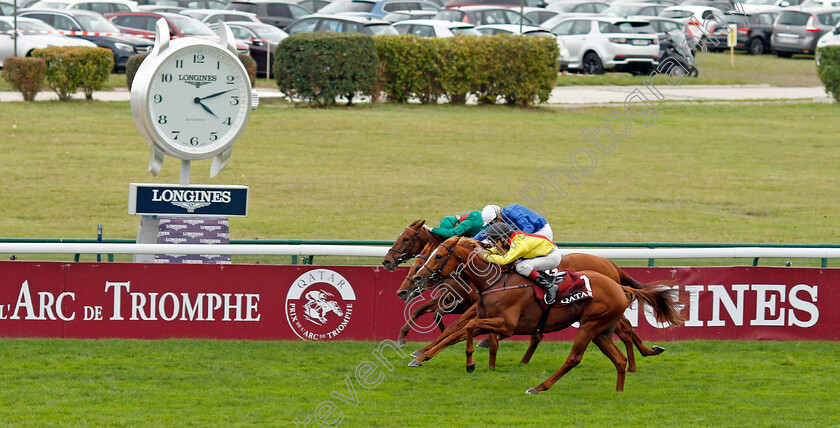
point(243, 383)
point(711, 173)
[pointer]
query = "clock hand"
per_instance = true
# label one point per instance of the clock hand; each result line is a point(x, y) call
point(197, 100)
point(216, 94)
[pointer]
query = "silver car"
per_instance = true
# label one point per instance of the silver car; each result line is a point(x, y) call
point(797, 31)
point(600, 43)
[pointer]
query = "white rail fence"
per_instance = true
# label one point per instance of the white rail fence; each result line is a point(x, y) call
point(379, 251)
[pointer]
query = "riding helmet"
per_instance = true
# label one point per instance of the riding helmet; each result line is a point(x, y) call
point(498, 230)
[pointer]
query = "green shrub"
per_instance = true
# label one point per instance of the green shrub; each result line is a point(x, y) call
point(25, 75)
point(523, 69)
point(828, 69)
point(250, 66)
point(70, 68)
point(319, 67)
point(462, 67)
point(410, 66)
point(131, 67)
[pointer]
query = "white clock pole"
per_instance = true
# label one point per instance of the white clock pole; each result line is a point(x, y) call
point(185, 172)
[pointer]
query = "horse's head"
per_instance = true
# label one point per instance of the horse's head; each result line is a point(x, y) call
point(407, 245)
point(332, 305)
point(408, 289)
point(441, 263)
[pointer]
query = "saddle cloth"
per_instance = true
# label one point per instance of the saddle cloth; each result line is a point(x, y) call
point(572, 287)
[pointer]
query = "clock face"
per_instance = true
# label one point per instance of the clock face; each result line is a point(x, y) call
point(198, 101)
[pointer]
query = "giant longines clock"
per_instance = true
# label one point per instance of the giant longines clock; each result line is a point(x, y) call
point(191, 98)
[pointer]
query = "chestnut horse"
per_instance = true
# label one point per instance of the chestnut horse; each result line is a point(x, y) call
point(514, 310)
point(461, 299)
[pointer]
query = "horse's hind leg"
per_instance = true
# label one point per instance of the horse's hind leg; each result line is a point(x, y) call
point(607, 346)
point(532, 347)
point(584, 336)
point(625, 333)
point(459, 324)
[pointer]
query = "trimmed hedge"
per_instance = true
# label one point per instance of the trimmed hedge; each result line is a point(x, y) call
point(26, 75)
point(320, 67)
point(828, 69)
point(519, 70)
point(71, 68)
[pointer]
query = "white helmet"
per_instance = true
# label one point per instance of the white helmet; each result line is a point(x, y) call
point(489, 213)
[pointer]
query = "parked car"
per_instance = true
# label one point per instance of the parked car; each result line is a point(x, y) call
point(600, 43)
point(279, 13)
point(819, 3)
point(341, 24)
point(663, 28)
point(6, 8)
point(482, 15)
point(434, 28)
point(375, 8)
point(537, 15)
point(262, 40)
point(29, 41)
point(623, 10)
point(754, 32)
point(662, 2)
point(143, 24)
point(213, 16)
point(797, 31)
point(156, 8)
point(505, 3)
point(186, 4)
point(578, 6)
point(754, 6)
point(527, 30)
point(100, 6)
point(93, 23)
point(404, 15)
point(693, 17)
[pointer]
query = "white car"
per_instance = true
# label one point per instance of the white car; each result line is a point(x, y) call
point(101, 6)
point(830, 38)
point(33, 35)
point(600, 43)
point(213, 16)
point(529, 31)
point(434, 28)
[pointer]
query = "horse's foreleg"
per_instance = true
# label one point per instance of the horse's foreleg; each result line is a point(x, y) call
point(607, 346)
point(493, 326)
point(423, 309)
point(493, 348)
point(532, 347)
point(436, 346)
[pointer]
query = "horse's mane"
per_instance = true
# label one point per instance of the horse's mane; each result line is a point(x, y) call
point(468, 242)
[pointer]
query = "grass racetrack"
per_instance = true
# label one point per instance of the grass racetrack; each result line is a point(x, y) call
point(235, 383)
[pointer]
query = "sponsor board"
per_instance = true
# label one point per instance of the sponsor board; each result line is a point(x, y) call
point(192, 200)
point(320, 303)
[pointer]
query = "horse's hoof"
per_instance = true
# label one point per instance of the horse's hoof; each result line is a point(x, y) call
point(658, 350)
point(401, 343)
point(532, 391)
point(484, 344)
point(416, 354)
point(470, 367)
point(415, 363)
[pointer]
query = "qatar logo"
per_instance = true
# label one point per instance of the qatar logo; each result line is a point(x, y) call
point(319, 305)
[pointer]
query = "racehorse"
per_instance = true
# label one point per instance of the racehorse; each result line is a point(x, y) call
point(514, 310)
point(317, 307)
point(461, 298)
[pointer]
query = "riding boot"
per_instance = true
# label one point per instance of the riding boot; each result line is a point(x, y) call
point(549, 286)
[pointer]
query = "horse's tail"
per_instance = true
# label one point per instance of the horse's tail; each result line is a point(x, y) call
point(626, 280)
point(662, 299)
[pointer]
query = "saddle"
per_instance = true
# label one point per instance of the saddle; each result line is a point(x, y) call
point(572, 287)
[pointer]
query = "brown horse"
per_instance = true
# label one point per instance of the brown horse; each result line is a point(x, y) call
point(410, 243)
point(514, 310)
point(467, 296)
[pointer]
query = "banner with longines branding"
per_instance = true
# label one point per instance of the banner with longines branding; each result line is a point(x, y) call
point(194, 200)
point(317, 303)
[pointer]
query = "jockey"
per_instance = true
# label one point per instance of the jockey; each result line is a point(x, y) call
point(467, 224)
point(518, 217)
point(532, 254)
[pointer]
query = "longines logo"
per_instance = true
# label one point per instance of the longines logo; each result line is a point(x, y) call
point(197, 80)
point(191, 200)
point(319, 305)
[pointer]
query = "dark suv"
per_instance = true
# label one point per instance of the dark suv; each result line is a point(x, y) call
point(279, 13)
point(797, 31)
point(755, 31)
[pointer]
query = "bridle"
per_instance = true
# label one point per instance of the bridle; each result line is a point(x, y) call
point(404, 255)
point(435, 276)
